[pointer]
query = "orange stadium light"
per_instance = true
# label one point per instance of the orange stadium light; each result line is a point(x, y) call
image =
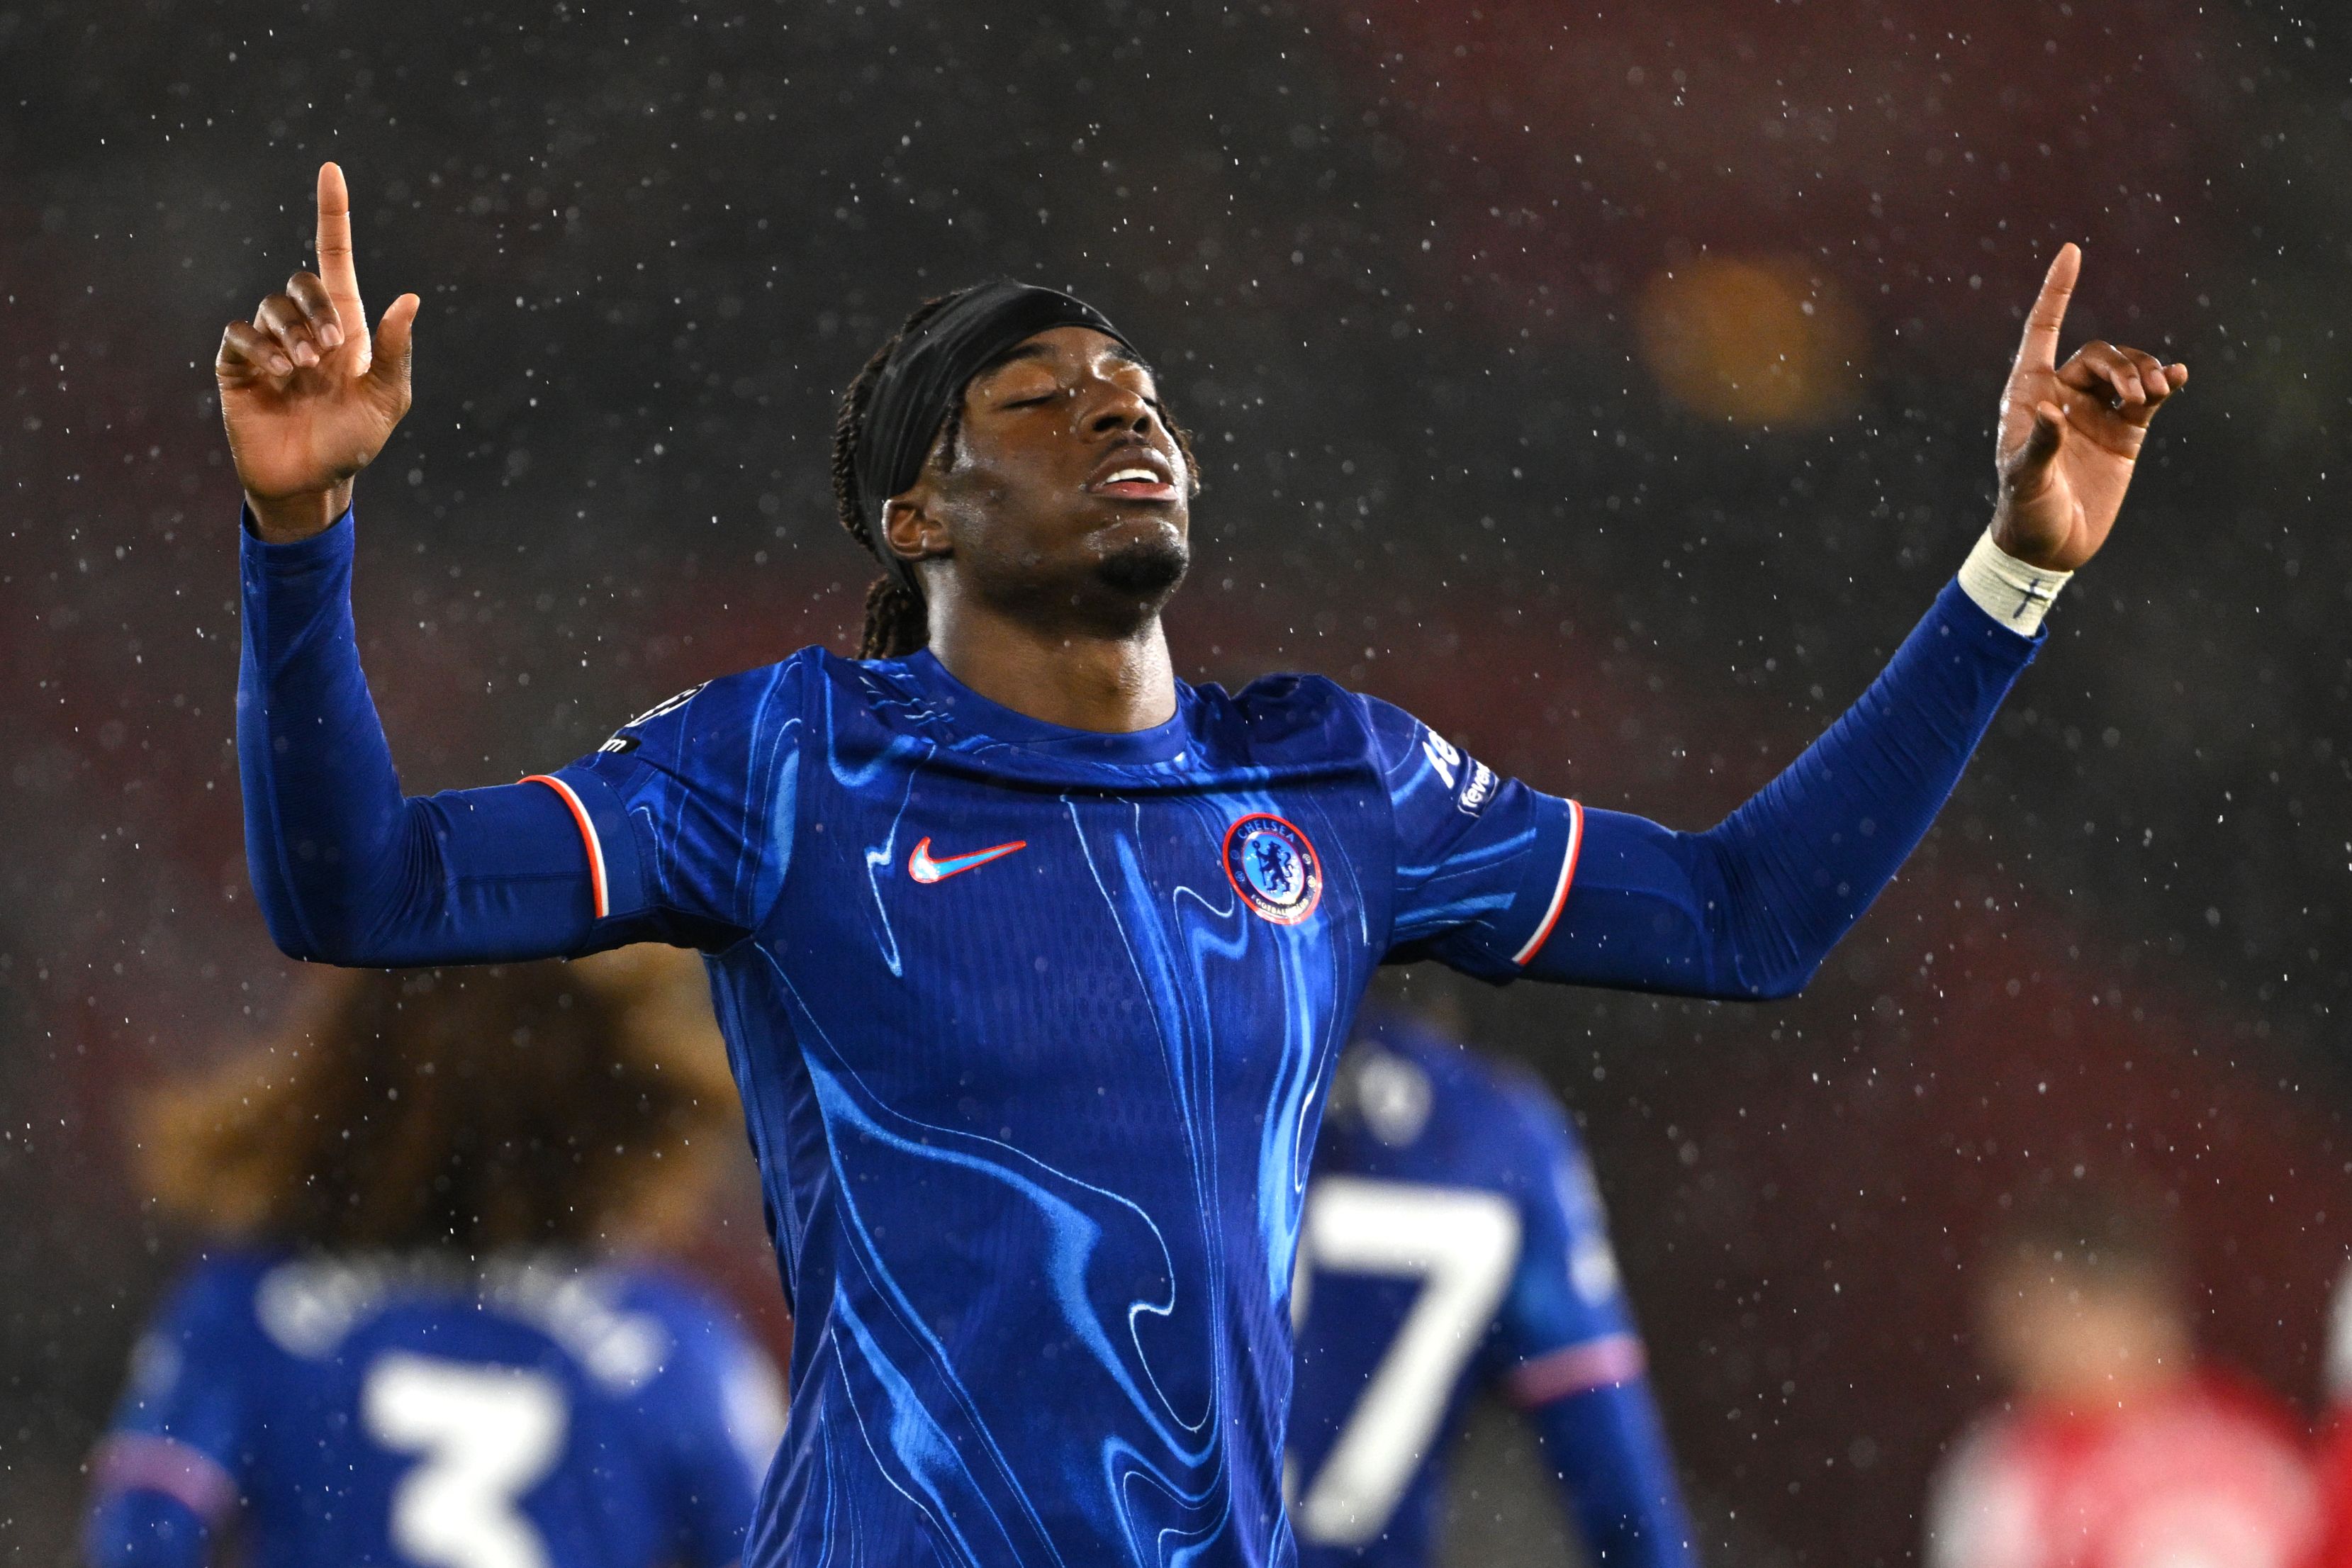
point(1756, 342)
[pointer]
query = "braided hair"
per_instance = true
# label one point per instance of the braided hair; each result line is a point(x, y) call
point(896, 623)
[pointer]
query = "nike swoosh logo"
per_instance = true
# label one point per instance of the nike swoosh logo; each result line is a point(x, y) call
point(923, 868)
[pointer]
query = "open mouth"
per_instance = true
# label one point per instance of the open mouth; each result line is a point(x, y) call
point(1135, 474)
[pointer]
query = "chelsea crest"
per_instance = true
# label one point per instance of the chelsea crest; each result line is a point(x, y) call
point(1274, 868)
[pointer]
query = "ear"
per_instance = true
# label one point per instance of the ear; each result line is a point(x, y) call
point(911, 529)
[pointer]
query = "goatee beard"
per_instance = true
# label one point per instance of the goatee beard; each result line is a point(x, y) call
point(1148, 570)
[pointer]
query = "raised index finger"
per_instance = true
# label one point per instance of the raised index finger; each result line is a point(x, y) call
point(2040, 349)
point(335, 268)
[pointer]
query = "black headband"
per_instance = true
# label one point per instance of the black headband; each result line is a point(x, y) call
point(924, 377)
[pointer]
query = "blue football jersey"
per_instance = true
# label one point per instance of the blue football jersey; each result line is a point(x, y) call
point(1034, 1024)
point(1454, 1239)
point(1033, 1027)
point(412, 1409)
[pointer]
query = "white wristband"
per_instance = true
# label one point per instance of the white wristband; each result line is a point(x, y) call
point(2006, 589)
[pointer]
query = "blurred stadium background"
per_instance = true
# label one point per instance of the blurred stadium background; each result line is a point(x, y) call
point(1610, 383)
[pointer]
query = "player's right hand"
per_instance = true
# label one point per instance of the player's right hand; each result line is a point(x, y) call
point(308, 396)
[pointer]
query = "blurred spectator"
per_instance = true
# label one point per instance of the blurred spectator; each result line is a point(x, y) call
point(418, 1333)
point(2115, 1448)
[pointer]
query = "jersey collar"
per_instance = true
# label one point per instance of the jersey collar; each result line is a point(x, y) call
point(976, 715)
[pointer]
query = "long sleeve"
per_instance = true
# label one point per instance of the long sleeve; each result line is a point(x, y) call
point(1573, 1359)
point(169, 1475)
point(347, 870)
point(1608, 1448)
point(1750, 907)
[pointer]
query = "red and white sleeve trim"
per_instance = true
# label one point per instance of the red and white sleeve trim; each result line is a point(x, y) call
point(147, 1461)
point(1605, 1363)
point(596, 882)
point(1559, 891)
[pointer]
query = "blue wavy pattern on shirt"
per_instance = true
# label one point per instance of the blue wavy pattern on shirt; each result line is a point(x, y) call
point(1034, 1136)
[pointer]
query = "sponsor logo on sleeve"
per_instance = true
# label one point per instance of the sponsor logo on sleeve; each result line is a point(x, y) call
point(624, 742)
point(1472, 781)
point(1477, 789)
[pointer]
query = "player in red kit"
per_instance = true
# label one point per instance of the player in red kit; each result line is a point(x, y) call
point(2334, 1468)
point(2115, 1450)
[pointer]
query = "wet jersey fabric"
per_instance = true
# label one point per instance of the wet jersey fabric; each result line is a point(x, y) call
point(1454, 1240)
point(412, 1409)
point(1032, 1025)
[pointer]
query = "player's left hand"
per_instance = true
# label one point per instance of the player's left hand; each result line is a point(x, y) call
point(2070, 433)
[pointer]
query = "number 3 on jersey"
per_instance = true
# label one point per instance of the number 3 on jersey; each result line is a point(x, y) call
point(484, 1436)
point(1464, 1243)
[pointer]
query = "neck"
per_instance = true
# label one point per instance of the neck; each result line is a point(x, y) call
point(2108, 1369)
point(1114, 683)
point(2081, 1393)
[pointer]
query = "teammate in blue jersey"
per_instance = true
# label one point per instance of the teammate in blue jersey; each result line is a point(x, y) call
point(1034, 960)
point(411, 1341)
point(1454, 1239)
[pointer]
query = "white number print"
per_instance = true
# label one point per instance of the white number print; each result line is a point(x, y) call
point(484, 1437)
point(1464, 1243)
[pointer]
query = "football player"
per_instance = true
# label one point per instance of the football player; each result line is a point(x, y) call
point(1033, 958)
point(1454, 1240)
point(422, 1329)
point(2116, 1447)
